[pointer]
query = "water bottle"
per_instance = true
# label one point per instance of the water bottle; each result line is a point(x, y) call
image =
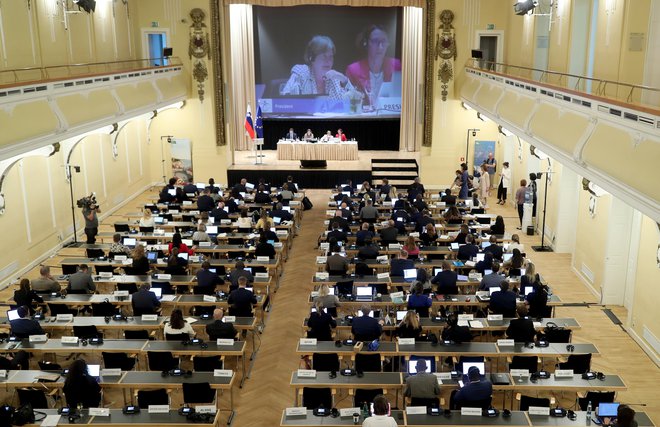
point(589, 412)
point(365, 411)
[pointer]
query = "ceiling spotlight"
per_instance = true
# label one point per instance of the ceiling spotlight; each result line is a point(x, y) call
point(482, 117)
point(466, 106)
point(504, 131)
point(524, 6)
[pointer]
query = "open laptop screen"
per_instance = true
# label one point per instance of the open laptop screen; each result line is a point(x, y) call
point(410, 274)
point(608, 409)
point(363, 290)
point(480, 365)
point(13, 315)
point(412, 364)
point(157, 291)
point(400, 314)
point(129, 241)
point(94, 370)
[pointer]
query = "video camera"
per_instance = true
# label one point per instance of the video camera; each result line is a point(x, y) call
point(88, 202)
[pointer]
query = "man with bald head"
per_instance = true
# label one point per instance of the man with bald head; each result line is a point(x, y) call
point(219, 328)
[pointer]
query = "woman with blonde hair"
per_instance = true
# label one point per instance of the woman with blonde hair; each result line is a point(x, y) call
point(411, 247)
point(265, 222)
point(200, 235)
point(409, 327)
point(484, 185)
point(326, 299)
point(140, 262)
point(147, 219)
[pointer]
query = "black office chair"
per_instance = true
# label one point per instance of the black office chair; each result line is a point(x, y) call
point(380, 288)
point(527, 401)
point(69, 268)
point(557, 335)
point(167, 288)
point(313, 398)
point(86, 332)
point(483, 403)
point(469, 359)
point(118, 361)
point(146, 229)
point(429, 402)
point(104, 269)
point(423, 312)
point(130, 287)
point(145, 398)
point(596, 398)
point(198, 393)
point(44, 365)
point(137, 335)
point(122, 228)
point(524, 362)
point(203, 309)
point(94, 253)
point(35, 397)
point(177, 337)
point(368, 363)
point(207, 364)
point(103, 309)
point(162, 361)
point(365, 395)
point(332, 311)
point(55, 309)
point(579, 363)
point(325, 362)
point(344, 288)
point(362, 269)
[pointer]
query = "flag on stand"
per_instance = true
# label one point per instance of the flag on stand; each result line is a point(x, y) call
point(260, 124)
point(249, 127)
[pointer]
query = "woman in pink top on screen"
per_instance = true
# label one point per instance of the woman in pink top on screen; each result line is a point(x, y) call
point(368, 74)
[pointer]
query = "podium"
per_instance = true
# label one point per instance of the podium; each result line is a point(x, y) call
point(258, 151)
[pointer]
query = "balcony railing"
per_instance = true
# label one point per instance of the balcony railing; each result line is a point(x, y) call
point(636, 95)
point(22, 76)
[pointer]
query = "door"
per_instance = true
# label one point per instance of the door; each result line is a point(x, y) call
point(488, 46)
point(153, 43)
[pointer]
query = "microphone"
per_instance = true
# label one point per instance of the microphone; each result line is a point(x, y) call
point(636, 404)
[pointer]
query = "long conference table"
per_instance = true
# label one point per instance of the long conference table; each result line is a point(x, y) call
point(298, 150)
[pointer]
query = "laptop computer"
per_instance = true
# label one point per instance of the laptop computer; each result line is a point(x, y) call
point(528, 290)
point(130, 242)
point(277, 220)
point(507, 257)
point(484, 245)
point(437, 270)
point(152, 257)
point(212, 229)
point(400, 314)
point(94, 370)
point(609, 410)
point(159, 220)
point(454, 246)
point(479, 257)
point(480, 365)
point(361, 313)
point(12, 315)
point(183, 255)
point(157, 291)
point(412, 364)
point(409, 274)
point(364, 293)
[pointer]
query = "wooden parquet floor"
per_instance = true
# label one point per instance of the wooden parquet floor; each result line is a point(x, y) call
point(267, 392)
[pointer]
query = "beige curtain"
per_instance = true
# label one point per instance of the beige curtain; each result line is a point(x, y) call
point(379, 3)
point(241, 86)
point(412, 72)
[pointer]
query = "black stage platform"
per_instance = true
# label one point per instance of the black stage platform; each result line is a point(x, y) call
point(305, 178)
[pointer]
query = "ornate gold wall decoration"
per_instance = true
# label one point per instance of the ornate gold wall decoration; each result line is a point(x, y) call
point(218, 82)
point(199, 49)
point(445, 50)
point(428, 73)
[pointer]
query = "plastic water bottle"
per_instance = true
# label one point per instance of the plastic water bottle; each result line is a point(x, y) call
point(589, 413)
point(365, 411)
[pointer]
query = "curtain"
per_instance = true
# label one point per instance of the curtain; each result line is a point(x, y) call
point(379, 3)
point(242, 73)
point(412, 94)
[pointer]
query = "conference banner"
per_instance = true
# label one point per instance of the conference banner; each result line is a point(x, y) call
point(182, 167)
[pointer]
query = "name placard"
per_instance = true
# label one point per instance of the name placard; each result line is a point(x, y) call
point(325, 246)
point(208, 298)
point(322, 275)
point(99, 412)
point(3, 373)
point(307, 341)
point(443, 375)
point(163, 276)
point(263, 259)
point(415, 410)
point(69, 340)
point(348, 412)
point(225, 221)
point(296, 412)
point(261, 275)
point(128, 261)
point(158, 409)
point(414, 234)
point(383, 275)
point(382, 258)
point(121, 257)
point(229, 319)
point(116, 372)
point(278, 245)
point(206, 409)
point(466, 317)
point(539, 410)
point(394, 246)
point(194, 258)
point(38, 338)
point(120, 293)
point(471, 411)
point(564, 373)
point(505, 343)
point(495, 317)
point(396, 295)
point(406, 341)
point(223, 373)
point(321, 259)
point(281, 232)
point(149, 317)
point(519, 372)
point(225, 341)
point(306, 373)
point(105, 274)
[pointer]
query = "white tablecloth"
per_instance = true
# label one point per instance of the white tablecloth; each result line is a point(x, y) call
point(288, 150)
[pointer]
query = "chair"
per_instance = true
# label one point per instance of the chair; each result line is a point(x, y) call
point(35, 397)
point(177, 337)
point(198, 393)
point(49, 366)
point(557, 335)
point(204, 309)
point(130, 287)
point(380, 288)
point(313, 398)
point(429, 402)
point(332, 311)
point(527, 401)
point(463, 359)
point(104, 269)
point(86, 332)
point(483, 403)
point(596, 398)
point(480, 211)
point(118, 361)
point(137, 335)
point(69, 268)
point(368, 363)
point(167, 288)
point(152, 397)
point(122, 228)
point(162, 361)
point(421, 311)
point(146, 229)
point(207, 364)
point(95, 253)
point(325, 362)
point(579, 363)
point(524, 362)
point(344, 288)
point(365, 395)
point(362, 269)
point(103, 309)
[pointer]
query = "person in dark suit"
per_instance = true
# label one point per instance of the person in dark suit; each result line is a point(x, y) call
point(423, 221)
point(165, 195)
point(23, 327)
point(365, 328)
point(336, 233)
point(341, 221)
point(494, 248)
point(503, 301)
point(476, 390)
point(239, 188)
point(190, 187)
point(25, 296)
point(264, 248)
point(400, 263)
point(290, 184)
point(144, 301)
point(521, 329)
point(278, 212)
point(81, 281)
point(320, 324)
point(415, 188)
point(485, 264)
point(220, 329)
point(446, 280)
point(205, 201)
point(219, 213)
point(389, 234)
point(291, 134)
point(364, 234)
point(238, 272)
point(80, 387)
point(370, 250)
point(455, 333)
point(462, 234)
point(241, 300)
point(207, 280)
point(448, 198)
point(262, 196)
point(469, 250)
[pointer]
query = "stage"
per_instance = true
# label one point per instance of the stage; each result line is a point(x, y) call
point(276, 171)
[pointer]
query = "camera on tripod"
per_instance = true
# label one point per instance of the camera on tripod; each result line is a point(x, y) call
point(87, 202)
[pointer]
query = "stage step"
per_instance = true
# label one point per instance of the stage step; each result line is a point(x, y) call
point(399, 172)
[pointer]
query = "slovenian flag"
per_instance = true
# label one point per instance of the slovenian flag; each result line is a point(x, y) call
point(260, 124)
point(249, 127)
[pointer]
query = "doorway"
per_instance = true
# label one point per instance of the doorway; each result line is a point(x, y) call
point(153, 43)
point(491, 44)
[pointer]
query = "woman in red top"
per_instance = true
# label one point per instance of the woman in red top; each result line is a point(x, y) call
point(177, 243)
point(411, 247)
point(341, 135)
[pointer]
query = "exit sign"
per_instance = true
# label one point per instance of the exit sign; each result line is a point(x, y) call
point(154, 24)
point(490, 26)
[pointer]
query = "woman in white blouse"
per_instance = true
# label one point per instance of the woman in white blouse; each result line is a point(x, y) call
point(147, 219)
point(178, 325)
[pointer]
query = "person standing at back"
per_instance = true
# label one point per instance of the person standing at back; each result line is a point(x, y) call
point(520, 200)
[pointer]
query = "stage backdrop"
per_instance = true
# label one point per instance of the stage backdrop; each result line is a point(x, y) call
point(370, 134)
point(182, 168)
